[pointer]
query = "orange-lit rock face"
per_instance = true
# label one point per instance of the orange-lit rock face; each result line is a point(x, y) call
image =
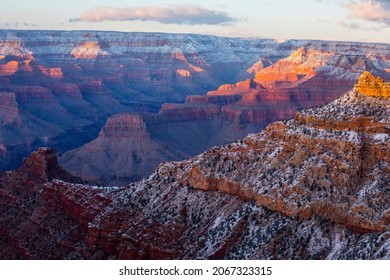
point(299, 66)
point(51, 72)
point(180, 56)
point(9, 69)
point(88, 50)
point(258, 66)
point(238, 88)
point(14, 46)
point(372, 86)
point(183, 73)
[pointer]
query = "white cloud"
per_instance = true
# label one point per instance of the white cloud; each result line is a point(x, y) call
point(174, 14)
point(377, 11)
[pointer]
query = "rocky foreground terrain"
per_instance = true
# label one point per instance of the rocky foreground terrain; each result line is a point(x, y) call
point(61, 88)
point(314, 187)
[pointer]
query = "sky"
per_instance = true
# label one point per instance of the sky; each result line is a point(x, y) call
point(342, 20)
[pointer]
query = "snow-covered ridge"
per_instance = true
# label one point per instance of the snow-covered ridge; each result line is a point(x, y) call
point(211, 48)
point(353, 105)
point(369, 99)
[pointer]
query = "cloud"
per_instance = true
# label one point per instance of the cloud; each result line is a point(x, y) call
point(377, 11)
point(174, 14)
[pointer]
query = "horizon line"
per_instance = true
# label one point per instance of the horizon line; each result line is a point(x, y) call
point(196, 34)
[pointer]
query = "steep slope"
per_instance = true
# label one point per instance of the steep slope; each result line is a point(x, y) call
point(123, 152)
point(315, 187)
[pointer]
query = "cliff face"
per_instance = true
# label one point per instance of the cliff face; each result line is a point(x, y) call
point(314, 187)
point(371, 86)
point(28, 229)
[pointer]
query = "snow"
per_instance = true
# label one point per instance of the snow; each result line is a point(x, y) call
point(380, 137)
point(208, 48)
point(353, 137)
point(337, 244)
point(216, 223)
point(352, 105)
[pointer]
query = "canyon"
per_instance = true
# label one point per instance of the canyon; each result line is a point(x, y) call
point(61, 89)
point(312, 187)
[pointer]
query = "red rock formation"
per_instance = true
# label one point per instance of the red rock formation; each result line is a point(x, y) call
point(66, 90)
point(33, 94)
point(239, 88)
point(126, 125)
point(52, 72)
point(123, 152)
point(9, 68)
point(300, 65)
point(30, 230)
point(93, 87)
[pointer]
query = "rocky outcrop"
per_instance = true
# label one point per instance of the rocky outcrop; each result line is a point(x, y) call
point(298, 67)
point(239, 88)
point(33, 94)
point(126, 125)
point(52, 72)
point(30, 230)
point(42, 166)
point(9, 68)
point(88, 50)
point(372, 86)
point(12, 45)
point(122, 153)
point(66, 90)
